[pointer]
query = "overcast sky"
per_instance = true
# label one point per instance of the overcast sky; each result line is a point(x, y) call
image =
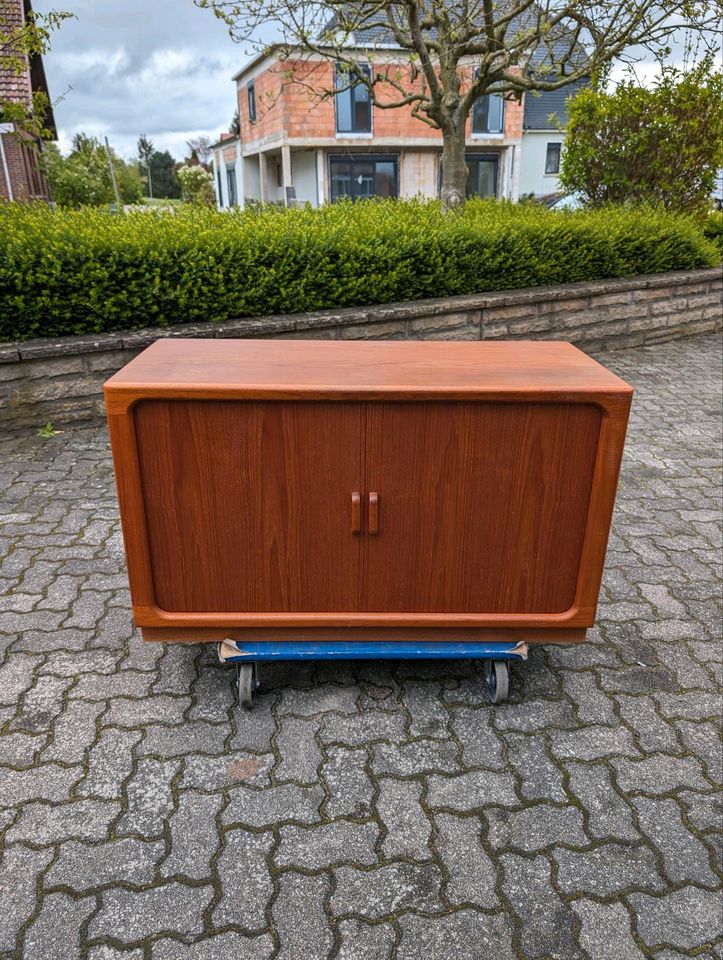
point(126, 67)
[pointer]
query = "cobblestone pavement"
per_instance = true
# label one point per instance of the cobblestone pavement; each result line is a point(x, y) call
point(367, 811)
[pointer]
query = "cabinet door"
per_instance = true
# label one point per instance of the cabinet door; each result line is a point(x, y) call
point(481, 506)
point(248, 504)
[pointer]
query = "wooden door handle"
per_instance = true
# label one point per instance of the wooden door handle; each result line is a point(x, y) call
point(356, 512)
point(373, 513)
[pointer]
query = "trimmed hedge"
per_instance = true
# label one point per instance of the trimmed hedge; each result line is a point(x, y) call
point(87, 271)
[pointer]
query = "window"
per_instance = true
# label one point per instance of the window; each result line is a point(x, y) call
point(353, 105)
point(488, 114)
point(552, 159)
point(231, 180)
point(251, 91)
point(481, 175)
point(362, 175)
point(218, 184)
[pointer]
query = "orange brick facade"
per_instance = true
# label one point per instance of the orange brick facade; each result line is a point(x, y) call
point(293, 152)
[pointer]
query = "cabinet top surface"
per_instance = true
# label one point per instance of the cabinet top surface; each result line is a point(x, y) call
point(323, 366)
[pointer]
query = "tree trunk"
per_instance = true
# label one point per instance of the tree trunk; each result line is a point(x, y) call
point(454, 167)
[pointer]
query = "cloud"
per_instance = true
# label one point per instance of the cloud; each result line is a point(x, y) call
point(162, 68)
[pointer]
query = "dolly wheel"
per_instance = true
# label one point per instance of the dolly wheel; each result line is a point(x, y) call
point(246, 680)
point(497, 680)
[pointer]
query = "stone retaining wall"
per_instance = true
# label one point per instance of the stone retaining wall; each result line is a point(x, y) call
point(61, 380)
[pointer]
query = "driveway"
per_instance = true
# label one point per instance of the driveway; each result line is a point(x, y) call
point(372, 810)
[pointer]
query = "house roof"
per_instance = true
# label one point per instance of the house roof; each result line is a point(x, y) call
point(18, 88)
point(539, 107)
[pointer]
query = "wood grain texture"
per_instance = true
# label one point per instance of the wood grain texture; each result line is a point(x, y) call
point(484, 504)
point(284, 369)
point(247, 504)
point(495, 471)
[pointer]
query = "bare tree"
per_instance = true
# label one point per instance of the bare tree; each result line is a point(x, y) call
point(201, 147)
point(438, 57)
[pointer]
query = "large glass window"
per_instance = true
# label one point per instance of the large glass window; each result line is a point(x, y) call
point(359, 176)
point(488, 114)
point(552, 158)
point(482, 175)
point(251, 91)
point(353, 105)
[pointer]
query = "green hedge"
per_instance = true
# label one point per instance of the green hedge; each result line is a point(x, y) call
point(87, 271)
point(713, 229)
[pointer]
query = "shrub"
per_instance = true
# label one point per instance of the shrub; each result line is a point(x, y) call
point(713, 229)
point(86, 271)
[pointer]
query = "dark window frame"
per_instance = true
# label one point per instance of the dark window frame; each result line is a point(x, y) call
point(251, 94)
point(487, 158)
point(232, 186)
point(352, 158)
point(481, 113)
point(552, 158)
point(351, 92)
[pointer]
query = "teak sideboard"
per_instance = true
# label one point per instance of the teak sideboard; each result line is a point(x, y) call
point(318, 490)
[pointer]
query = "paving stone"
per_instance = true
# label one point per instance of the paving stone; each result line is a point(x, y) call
point(481, 745)
point(256, 727)
point(407, 827)
point(541, 779)
point(652, 733)
point(535, 716)
point(40, 823)
point(55, 932)
point(592, 743)
point(214, 773)
point(301, 755)
point(362, 941)
point(591, 704)
point(349, 790)
point(150, 797)
point(214, 692)
point(685, 857)
point(605, 931)
point(191, 738)
point(535, 828)
point(331, 843)
point(607, 813)
point(471, 791)
point(194, 836)
point(159, 709)
point(263, 808)
point(300, 918)
point(245, 879)
point(19, 871)
point(19, 749)
point(705, 811)
point(386, 890)
point(110, 763)
point(696, 705)
point(659, 774)
point(104, 952)
point(129, 916)
point(317, 700)
point(82, 866)
point(465, 935)
point(687, 918)
point(49, 782)
point(419, 756)
point(472, 875)
point(704, 740)
point(546, 922)
point(607, 869)
point(365, 728)
point(221, 946)
point(428, 716)
point(128, 683)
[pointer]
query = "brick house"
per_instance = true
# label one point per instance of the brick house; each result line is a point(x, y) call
point(295, 147)
point(21, 177)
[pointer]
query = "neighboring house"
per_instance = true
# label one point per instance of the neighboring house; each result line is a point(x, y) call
point(543, 134)
point(21, 177)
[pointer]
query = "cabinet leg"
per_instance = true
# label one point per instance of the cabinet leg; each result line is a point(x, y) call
point(497, 680)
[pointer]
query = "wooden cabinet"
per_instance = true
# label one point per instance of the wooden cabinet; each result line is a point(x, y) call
point(317, 488)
